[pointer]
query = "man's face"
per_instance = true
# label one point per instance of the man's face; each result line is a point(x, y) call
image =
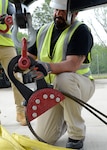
point(60, 18)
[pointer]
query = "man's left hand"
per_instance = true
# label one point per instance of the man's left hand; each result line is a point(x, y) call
point(43, 67)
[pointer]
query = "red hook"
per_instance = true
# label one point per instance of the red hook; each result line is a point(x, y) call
point(6, 30)
point(24, 61)
point(8, 21)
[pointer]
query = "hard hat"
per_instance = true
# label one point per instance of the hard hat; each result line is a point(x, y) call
point(59, 4)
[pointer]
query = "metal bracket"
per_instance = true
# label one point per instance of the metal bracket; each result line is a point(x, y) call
point(22, 20)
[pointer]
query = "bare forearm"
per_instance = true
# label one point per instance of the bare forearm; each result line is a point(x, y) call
point(31, 55)
point(69, 65)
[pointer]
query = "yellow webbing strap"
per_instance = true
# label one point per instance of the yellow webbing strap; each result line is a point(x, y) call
point(7, 142)
point(20, 142)
point(34, 144)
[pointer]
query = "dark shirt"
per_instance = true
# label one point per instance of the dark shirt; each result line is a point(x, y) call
point(80, 44)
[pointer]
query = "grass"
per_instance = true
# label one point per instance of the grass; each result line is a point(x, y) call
point(99, 76)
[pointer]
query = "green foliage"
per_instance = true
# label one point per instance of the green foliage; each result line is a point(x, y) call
point(47, 1)
point(42, 15)
point(99, 59)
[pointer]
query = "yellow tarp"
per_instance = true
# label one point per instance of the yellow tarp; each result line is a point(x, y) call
point(19, 142)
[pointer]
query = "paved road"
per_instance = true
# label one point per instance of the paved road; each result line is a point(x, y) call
point(96, 135)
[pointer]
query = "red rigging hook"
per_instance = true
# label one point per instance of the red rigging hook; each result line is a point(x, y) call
point(8, 22)
point(6, 30)
point(24, 61)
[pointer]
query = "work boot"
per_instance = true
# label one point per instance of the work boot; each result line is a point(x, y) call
point(74, 144)
point(21, 118)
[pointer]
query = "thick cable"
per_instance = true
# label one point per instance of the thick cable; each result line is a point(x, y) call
point(88, 107)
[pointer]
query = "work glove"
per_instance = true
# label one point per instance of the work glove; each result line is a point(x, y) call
point(17, 69)
point(43, 67)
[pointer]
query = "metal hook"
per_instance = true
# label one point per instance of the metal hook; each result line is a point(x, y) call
point(31, 32)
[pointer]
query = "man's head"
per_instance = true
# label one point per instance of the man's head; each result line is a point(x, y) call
point(60, 13)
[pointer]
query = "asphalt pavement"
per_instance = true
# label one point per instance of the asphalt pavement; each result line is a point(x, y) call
point(96, 131)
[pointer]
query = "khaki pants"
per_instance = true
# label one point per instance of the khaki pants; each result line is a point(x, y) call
point(66, 116)
point(6, 54)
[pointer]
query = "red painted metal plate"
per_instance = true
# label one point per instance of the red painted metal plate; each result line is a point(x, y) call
point(41, 101)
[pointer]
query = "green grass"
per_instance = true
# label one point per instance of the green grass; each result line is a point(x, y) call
point(99, 76)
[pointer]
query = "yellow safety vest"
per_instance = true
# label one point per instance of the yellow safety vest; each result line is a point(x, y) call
point(59, 51)
point(5, 38)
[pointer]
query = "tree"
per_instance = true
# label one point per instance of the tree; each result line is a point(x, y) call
point(99, 59)
point(101, 18)
point(42, 15)
point(97, 20)
point(99, 26)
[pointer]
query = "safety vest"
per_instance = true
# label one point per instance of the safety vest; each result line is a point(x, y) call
point(5, 38)
point(59, 51)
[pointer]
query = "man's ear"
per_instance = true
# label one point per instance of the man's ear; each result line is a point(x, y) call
point(75, 14)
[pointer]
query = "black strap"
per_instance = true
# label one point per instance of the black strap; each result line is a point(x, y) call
point(90, 108)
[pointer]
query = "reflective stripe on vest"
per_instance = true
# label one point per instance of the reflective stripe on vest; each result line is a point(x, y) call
point(3, 7)
point(43, 46)
point(64, 38)
point(41, 37)
point(5, 38)
point(6, 35)
point(85, 68)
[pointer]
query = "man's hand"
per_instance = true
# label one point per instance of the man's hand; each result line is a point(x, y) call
point(43, 67)
point(17, 69)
